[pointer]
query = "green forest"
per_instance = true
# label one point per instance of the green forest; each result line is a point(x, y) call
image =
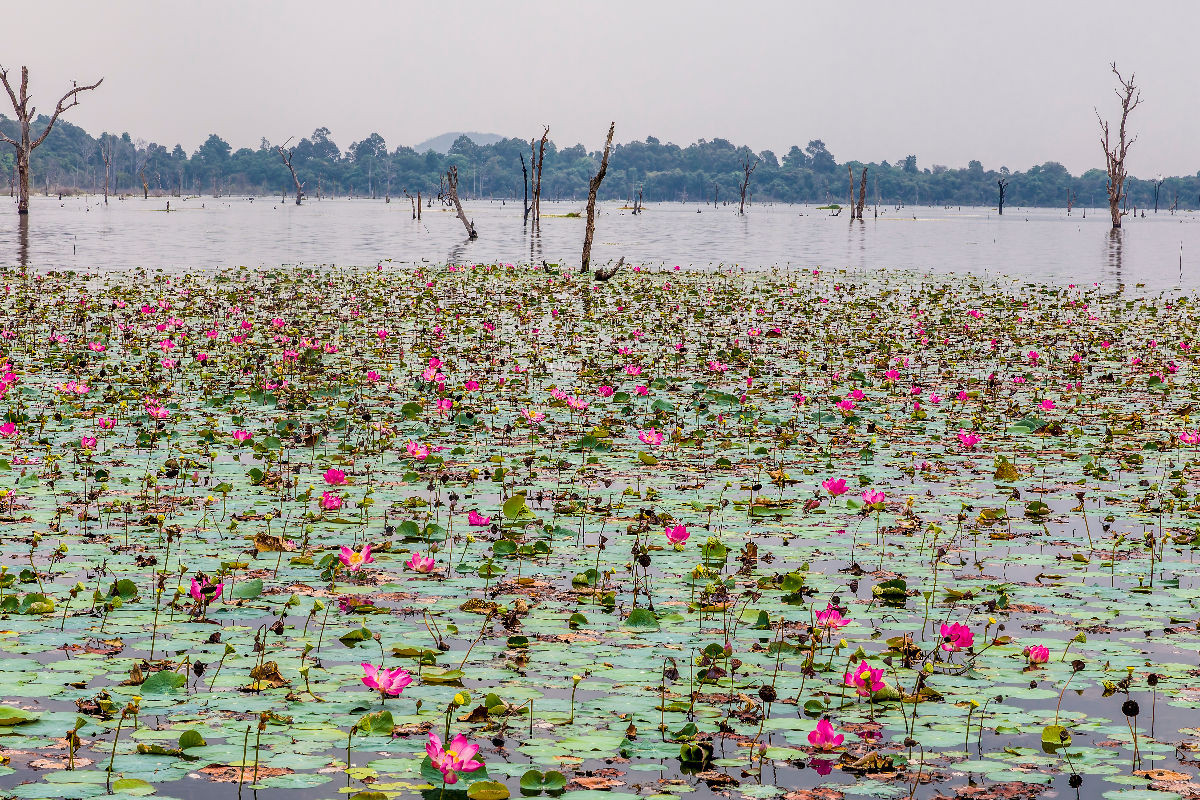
point(73, 161)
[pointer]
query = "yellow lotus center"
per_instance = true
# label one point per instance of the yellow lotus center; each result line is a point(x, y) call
point(355, 558)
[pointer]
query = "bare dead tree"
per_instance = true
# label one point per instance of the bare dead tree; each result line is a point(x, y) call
point(106, 154)
point(418, 205)
point(850, 170)
point(862, 193)
point(1070, 201)
point(593, 188)
point(525, 204)
point(537, 157)
point(286, 155)
point(1003, 184)
point(412, 200)
point(452, 189)
point(748, 168)
point(1114, 154)
point(25, 144)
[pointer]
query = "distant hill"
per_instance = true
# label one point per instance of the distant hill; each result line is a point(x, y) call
point(441, 144)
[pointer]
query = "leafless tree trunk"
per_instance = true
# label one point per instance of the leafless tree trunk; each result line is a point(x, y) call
point(862, 193)
point(412, 200)
point(850, 170)
point(25, 114)
point(452, 188)
point(525, 204)
point(537, 158)
point(286, 155)
point(748, 168)
point(593, 188)
point(418, 205)
point(106, 154)
point(1003, 184)
point(1070, 201)
point(1114, 154)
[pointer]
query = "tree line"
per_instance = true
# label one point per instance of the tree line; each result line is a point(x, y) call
point(72, 161)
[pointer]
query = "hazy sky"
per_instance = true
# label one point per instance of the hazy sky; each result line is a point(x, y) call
point(1009, 83)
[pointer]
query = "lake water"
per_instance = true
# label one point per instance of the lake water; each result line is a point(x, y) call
point(1160, 251)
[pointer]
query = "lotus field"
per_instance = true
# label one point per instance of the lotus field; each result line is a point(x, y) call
point(486, 531)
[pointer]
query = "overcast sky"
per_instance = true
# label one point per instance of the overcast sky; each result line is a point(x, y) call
point(1011, 84)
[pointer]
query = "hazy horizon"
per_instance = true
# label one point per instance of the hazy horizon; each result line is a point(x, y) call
point(1009, 87)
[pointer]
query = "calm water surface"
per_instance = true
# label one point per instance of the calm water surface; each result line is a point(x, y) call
point(1160, 251)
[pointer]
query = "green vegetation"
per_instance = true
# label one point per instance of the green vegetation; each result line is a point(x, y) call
point(70, 160)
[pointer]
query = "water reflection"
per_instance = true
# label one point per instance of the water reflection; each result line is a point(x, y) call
point(1116, 250)
point(23, 240)
point(1041, 244)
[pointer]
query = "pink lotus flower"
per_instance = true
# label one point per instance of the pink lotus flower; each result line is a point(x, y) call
point(388, 682)
point(417, 450)
point(873, 497)
point(633, 369)
point(157, 412)
point(642, 391)
point(1036, 654)
point(846, 406)
point(334, 477)
point(199, 593)
point(677, 534)
point(471, 386)
point(652, 437)
point(575, 404)
point(831, 617)
point(532, 416)
point(8, 430)
point(331, 501)
point(1190, 437)
point(956, 636)
point(88, 442)
point(864, 680)
point(241, 436)
point(1047, 405)
point(968, 439)
point(444, 404)
point(477, 520)
point(835, 486)
point(458, 757)
point(419, 563)
point(824, 737)
point(96, 347)
point(354, 560)
point(106, 423)
point(717, 366)
point(605, 391)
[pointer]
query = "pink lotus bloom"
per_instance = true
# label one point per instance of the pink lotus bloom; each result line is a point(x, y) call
point(824, 737)
point(864, 680)
point(330, 501)
point(334, 477)
point(96, 347)
point(968, 439)
point(106, 423)
point(445, 404)
point(1037, 654)
point(354, 560)
point(419, 563)
point(199, 595)
point(88, 442)
point(652, 437)
point(471, 385)
point(605, 391)
point(677, 534)
point(1190, 437)
point(1047, 405)
point(873, 497)
point(458, 757)
point(388, 682)
point(382, 334)
point(477, 520)
point(642, 391)
point(846, 405)
point(416, 450)
point(202, 357)
point(1033, 356)
point(575, 404)
point(835, 486)
point(956, 636)
point(158, 412)
point(633, 369)
point(8, 430)
point(831, 617)
point(717, 366)
point(532, 416)
point(241, 436)
point(373, 376)
point(891, 375)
